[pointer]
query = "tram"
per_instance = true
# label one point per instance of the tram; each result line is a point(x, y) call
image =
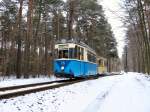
point(102, 65)
point(74, 59)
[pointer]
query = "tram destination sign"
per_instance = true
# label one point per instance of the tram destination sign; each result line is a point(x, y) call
point(64, 46)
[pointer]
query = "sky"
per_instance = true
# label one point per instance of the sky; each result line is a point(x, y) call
point(114, 14)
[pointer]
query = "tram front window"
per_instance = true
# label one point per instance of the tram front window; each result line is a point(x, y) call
point(63, 54)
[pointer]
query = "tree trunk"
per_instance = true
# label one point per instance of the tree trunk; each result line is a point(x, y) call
point(18, 64)
point(28, 39)
point(70, 19)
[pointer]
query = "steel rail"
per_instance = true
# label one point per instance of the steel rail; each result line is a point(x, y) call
point(19, 92)
point(30, 85)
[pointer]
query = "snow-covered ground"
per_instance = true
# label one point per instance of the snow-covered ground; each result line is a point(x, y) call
point(121, 93)
point(13, 82)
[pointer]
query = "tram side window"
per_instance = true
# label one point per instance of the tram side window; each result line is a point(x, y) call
point(94, 58)
point(77, 52)
point(63, 54)
point(82, 54)
point(91, 57)
point(100, 62)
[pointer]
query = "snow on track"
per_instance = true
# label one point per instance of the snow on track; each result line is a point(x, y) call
point(120, 93)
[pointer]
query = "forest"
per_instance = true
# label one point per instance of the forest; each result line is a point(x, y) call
point(30, 28)
point(137, 21)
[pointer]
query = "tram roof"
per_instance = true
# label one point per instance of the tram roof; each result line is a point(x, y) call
point(77, 42)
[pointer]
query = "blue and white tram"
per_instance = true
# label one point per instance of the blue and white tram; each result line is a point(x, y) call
point(74, 60)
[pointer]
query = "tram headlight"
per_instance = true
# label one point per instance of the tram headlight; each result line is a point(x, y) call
point(62, 67)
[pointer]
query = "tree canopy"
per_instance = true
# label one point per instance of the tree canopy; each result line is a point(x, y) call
point(29, 29)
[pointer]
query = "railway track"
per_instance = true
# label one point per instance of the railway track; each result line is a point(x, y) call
point(14, 91)
point(29, 85)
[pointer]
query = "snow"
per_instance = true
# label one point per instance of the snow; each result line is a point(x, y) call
point(129, 96)
point(15, 82)
point(120, 93)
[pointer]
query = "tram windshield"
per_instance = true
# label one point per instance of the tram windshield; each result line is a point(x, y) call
point(63, 54)
point(64, 51)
